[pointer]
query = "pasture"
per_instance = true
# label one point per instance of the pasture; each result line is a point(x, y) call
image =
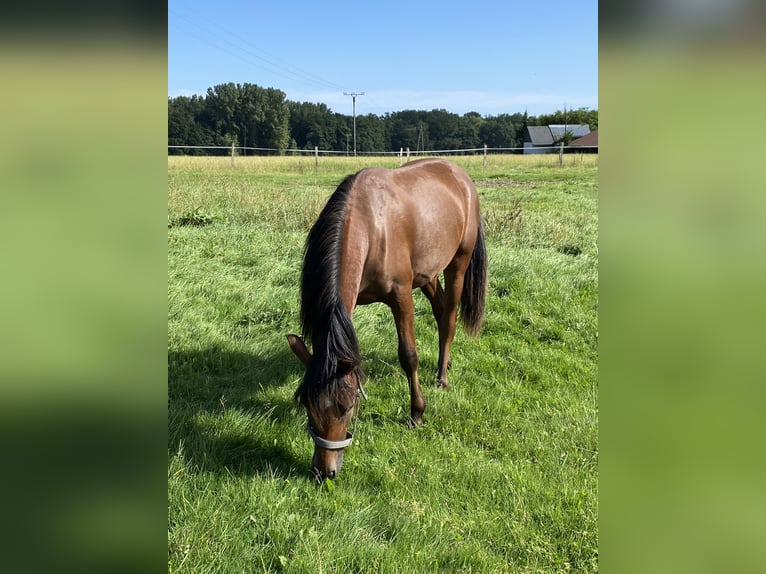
point(501, 477)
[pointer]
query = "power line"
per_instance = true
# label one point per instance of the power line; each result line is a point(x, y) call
point(353, 100)
point(267, 61)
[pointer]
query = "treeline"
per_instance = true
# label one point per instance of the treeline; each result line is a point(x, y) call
point(248, 115)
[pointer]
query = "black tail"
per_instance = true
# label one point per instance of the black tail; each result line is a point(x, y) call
point(475, 286)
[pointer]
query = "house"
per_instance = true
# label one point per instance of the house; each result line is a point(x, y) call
point(538, 139)
point(545, 139)
point(577, 130)
point(587, 143)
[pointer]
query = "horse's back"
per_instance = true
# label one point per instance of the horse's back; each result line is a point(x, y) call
point(413, 221)
point(419, 194)
point(437, 176)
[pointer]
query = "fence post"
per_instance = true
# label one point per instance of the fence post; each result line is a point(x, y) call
point(316, 159)
point(485, 156)
point(408, 154)
point(232, 153)
point(561, 154)
point(401, 151)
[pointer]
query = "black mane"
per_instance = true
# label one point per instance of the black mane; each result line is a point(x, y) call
point(324, 319)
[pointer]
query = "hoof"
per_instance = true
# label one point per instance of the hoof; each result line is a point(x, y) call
point(441, 384)
point(415, 420)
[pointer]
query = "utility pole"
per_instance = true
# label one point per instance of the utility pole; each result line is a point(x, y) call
point(353, 100)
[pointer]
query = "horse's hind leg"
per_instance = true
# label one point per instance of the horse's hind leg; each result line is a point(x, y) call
point(453, 287)
point(403, 309)
point(435, 295)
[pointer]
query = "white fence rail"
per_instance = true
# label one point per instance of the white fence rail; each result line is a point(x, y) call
point(402, 152)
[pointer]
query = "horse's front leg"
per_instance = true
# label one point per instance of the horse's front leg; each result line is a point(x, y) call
point(403, 309)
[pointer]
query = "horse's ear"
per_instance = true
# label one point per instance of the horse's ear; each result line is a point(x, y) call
point(299, 348)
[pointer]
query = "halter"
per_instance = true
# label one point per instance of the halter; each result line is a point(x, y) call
point(338, 444)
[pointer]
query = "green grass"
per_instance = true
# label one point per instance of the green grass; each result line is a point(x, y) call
point(502, 476)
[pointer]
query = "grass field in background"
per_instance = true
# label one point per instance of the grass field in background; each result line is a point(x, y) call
point(501, 477)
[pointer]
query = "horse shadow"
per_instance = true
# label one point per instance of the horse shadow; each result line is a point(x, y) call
point(227, 412)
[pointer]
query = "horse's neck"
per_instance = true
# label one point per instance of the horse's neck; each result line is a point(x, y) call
point(352, 268)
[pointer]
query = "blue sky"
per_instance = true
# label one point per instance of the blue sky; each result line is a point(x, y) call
point(487, 56)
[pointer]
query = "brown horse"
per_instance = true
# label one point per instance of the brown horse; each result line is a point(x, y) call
point(382, 234)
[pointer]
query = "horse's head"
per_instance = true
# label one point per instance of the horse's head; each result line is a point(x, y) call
point(329, 407)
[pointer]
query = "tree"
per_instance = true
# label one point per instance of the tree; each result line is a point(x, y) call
point(443, 129)
point(468, 130)
point(188, 125)
point(371, 133)
point(275, 128)
point(503, 131)
point(249, 115)
point(252, 116)
point(222, 103)
point(567, 138)
point(571, 117)
point(313, 125)
point(408, 129)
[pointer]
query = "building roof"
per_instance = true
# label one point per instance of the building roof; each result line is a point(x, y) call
point(590, 140)
point(577, 130)
point(540, 135)
point(548, 135)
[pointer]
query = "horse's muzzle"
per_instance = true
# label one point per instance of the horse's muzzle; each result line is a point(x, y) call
point(326, 464)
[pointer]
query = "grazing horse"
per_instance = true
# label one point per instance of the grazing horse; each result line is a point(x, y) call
point(382, 234)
